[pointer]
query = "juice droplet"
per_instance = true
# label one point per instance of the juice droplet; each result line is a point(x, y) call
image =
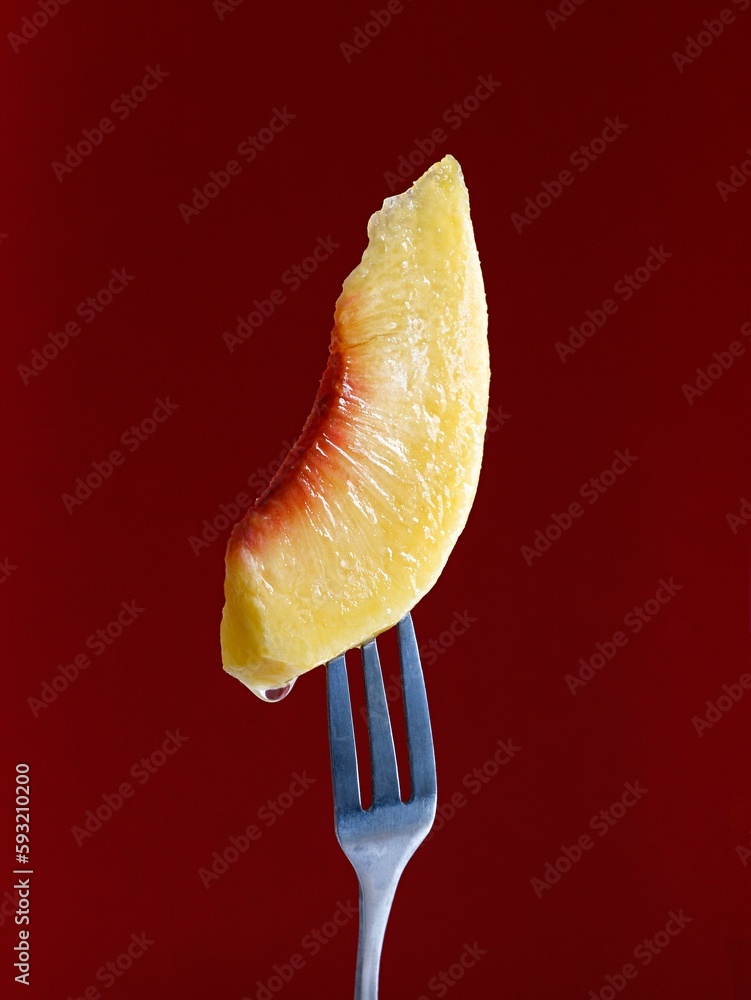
point(274, 694)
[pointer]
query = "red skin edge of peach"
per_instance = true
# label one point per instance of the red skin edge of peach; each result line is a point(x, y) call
point(336, 385)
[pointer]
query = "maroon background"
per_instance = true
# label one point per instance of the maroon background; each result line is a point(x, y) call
point(504, 677)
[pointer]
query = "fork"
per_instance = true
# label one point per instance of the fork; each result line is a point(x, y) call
point(380, 840)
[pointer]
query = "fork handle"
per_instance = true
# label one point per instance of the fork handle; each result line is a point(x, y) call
point(375, 906)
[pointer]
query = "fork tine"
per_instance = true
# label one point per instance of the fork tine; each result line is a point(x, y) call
point(382, 755)
point(419, 736)
point(341, 738)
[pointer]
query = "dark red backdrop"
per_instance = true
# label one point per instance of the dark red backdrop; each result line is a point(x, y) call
point(343, 116)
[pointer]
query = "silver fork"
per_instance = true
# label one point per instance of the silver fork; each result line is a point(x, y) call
point(380, 840)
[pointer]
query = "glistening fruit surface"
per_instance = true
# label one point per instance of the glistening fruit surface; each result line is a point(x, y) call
point(358, 523)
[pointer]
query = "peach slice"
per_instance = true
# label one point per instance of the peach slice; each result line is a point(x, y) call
point(360, 519)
